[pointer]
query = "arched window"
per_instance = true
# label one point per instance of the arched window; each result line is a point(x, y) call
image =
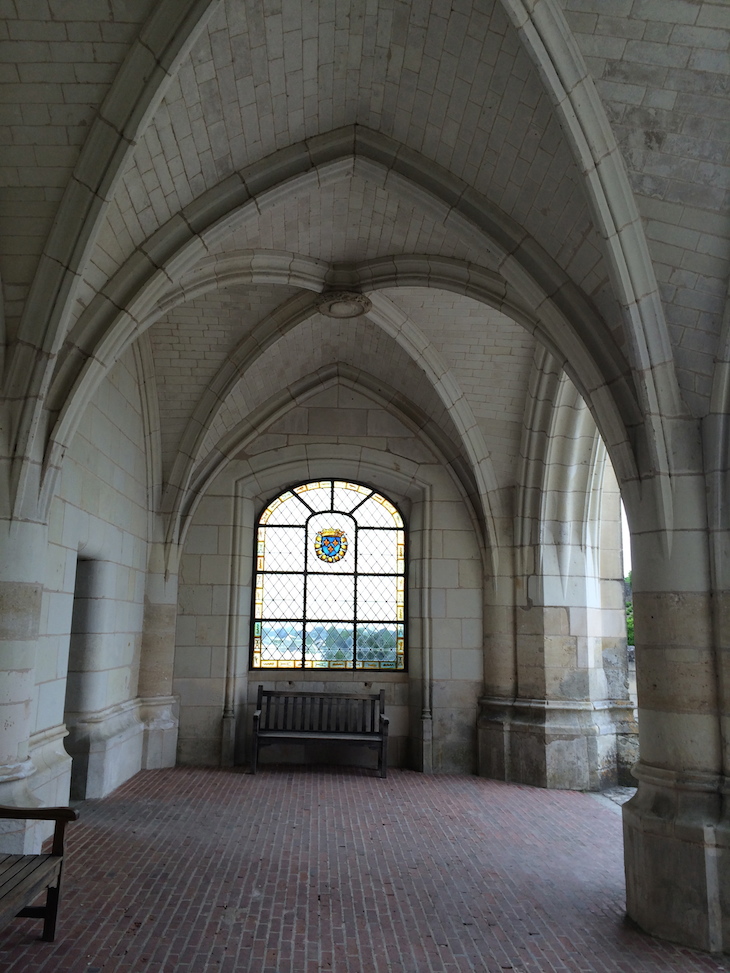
point(329, 587)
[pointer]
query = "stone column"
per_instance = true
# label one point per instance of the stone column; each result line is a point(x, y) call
point(716, 433)
point(565, 726)
point(676, 885)
point(496, 706)
point(22, 570)
point(569, 718)
point(159, 707)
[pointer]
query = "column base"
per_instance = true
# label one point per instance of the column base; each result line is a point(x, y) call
point(110, 746)
point(424, 761)
point(41, 780)
point(159, 716)
point(228, 740)
point(573, 745)
point(17, 837)
point(677, 855)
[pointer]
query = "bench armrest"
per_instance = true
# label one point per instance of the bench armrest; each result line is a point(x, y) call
point(61, 815)
point(384, 722)
point(38, 813)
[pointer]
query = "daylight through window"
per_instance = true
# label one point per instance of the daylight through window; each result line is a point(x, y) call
point(329, 588)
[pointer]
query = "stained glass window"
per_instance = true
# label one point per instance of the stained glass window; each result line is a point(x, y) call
point(329, 585)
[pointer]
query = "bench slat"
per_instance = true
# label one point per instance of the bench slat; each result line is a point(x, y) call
point(304, 717)
point(279, 735)
point(24, 877)
point(320, 713)
point(18, 870)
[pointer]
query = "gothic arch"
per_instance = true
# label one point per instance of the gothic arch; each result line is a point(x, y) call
point(245, 486)
point(230, 449)
point(148, 68)
point(563, 320)
point(570, 688)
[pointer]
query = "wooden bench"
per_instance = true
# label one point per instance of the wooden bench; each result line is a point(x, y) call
point(289, 717)
point(24, 877)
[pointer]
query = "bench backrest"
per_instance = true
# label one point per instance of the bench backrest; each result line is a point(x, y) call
point(320, 712)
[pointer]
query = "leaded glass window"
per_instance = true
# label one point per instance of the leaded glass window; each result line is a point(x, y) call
point(329, 586)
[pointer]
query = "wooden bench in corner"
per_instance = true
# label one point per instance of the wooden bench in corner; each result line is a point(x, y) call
point(292, 717)
point(24, 877)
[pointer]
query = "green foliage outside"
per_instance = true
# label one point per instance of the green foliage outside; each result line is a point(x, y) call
point(629, 610)
point(333, 644)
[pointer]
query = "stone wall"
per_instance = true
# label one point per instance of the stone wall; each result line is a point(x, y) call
point(91, 623)
point(432, 707)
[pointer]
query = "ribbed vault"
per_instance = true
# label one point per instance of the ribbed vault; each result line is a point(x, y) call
point(475, 136)
point(144, 290)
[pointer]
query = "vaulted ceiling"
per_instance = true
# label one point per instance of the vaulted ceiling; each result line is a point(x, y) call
point(378, 145)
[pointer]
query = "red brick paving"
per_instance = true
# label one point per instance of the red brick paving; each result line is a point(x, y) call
point(300, 870)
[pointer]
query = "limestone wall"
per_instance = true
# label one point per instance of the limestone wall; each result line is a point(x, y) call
point(432, 707)
point(93, 599)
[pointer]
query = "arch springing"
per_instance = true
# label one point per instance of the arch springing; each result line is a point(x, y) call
point(329, 586)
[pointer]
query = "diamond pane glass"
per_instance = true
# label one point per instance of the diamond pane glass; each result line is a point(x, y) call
point(278, 644)
point(377, 551)
point(331, 598)
point(282, 596)
point(329, 583)
point(377, 646)
point(377, 512)
point(286, 509)
point(329, 645)
point(349, 495)
point(377, 598)
point(281, 546)
point(317, 495)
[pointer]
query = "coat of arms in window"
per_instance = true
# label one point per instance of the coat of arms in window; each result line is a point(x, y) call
point(330, 545)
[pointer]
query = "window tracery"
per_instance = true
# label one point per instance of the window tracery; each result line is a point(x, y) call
point(329, 584)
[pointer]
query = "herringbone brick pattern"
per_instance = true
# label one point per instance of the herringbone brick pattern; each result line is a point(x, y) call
point(305, 870)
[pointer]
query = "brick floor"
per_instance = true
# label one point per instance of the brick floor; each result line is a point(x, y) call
point(302, 870)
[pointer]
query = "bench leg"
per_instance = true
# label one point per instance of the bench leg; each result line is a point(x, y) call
point(51, 913)
point(48, 912)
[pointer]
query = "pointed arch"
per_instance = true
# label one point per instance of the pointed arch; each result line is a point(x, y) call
point(556, 56)
point(147, 70)
point(482, 481)
point(230, 447)
point(526, 285)
point(563, 459)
